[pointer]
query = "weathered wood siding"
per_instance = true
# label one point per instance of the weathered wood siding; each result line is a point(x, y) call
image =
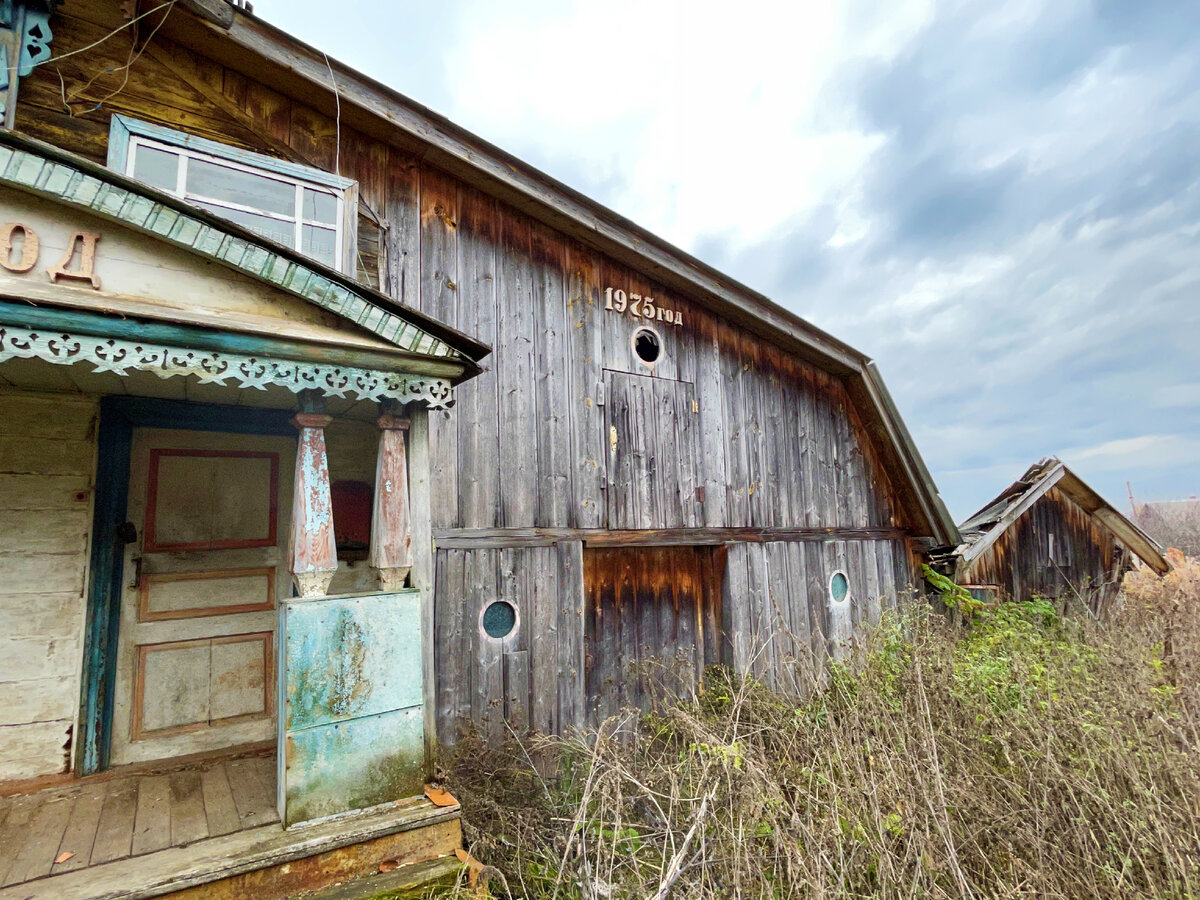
point(1089, 558)
point(47, 462)
point(653, 624)
point(565, 429)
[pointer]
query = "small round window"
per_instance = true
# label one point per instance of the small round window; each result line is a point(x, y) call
point(647, 345)
point(839, 587)
point(499, 619)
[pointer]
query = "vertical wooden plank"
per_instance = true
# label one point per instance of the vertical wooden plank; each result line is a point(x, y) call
point(737, 604)
point(752, 390)
point(817, 584)
point(687, 418)
point(825, 473)
point(475, 400)
point(762, 632)
point(402, 229)
point(625, 674)
point(801, 645)
point(736, 437)
point(516, 690)
point(870, 570)
point(314, 136)
point(81, 828)
point(514, 359)
point(552, 378)
point(422, 576)
point(114, 833)
point(571, 687)
point(543, 592)
point(439, 298)
point(808, 447)
point(499, 572)
point(152, 822)
point(717, 648)
point(710, 388)
point(449, 601)
point(664, 471)
point(220, 812)
point(585, 407)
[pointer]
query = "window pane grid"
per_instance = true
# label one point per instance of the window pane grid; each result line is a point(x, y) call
point(314, 226)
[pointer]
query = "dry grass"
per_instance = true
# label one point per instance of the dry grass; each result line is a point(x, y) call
point(1031, 754)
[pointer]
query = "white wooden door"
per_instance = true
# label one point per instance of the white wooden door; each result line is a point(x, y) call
point(197, 644)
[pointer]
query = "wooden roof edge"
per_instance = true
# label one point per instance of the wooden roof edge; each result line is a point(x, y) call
point(478, 161)
point(1115, 521)
point(970, 552)
point(1056, 473)
point(469, 349)
point(904, 450)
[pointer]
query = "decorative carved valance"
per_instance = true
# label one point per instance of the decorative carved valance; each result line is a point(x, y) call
point(120, 356)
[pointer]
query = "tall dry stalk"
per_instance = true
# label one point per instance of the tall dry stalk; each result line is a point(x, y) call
point(1028, 755)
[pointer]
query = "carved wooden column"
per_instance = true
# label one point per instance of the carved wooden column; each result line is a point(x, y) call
point(313, 553)
point(391, 532)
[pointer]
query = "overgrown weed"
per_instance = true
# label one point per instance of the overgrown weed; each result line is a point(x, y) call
point(1035, 753)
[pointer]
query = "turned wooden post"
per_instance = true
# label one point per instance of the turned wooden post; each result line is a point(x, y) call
point(313, 553)
point(391, 531)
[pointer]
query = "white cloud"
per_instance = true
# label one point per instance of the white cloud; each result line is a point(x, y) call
point(712, 113)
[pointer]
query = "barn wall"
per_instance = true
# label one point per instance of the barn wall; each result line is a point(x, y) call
point(47, 464)
point(1019, 562)
point(565, 428)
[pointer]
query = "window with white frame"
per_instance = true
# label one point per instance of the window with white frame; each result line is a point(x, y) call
point(301, 207)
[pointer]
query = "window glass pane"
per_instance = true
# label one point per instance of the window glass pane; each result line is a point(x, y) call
point(156, 167)
point(319, 244)
point(320, 207)
point(283, 232)
point(218, 182)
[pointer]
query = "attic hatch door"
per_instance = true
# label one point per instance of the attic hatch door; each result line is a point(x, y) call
point(651, 434)
point(197, 639)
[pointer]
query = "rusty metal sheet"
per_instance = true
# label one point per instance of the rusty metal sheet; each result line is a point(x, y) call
point(352, 714)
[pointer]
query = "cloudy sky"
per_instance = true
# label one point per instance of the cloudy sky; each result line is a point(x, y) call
point(998, 201)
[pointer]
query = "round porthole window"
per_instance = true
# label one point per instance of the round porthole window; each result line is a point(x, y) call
point(499, 619)
point(839, 587)
point(647, 345)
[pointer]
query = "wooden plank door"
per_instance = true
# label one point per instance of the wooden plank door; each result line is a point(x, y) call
point(652, 624)
point(197, 643)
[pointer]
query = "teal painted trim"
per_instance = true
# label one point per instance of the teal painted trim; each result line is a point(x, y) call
point(73, 182)
point(118, 417)
point(27, 316)
point(124, 127)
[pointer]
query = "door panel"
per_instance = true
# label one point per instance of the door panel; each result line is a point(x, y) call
point(197, 645)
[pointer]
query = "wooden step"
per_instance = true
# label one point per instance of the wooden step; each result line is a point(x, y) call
point(406, 882)
point(266, 863)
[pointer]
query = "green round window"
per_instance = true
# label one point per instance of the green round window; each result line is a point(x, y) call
point(499, 619)
point(839, 587)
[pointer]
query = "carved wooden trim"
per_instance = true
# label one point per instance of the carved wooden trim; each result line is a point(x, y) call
point(150, 543)
point(145, 614)
point(211, 366)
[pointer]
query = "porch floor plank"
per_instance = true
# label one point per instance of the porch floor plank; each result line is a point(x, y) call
point(255, 804)
point(36, 858)
point(15, 833)
point(81, 828)
point(114, 835)
point(248, 850)
point(188, 823)
point(219, 809)
point(152, 822)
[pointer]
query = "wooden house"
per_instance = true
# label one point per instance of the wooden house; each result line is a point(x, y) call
point(1050, 535)
point(275, 522)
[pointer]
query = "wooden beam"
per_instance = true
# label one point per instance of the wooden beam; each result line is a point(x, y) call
point(485, 538)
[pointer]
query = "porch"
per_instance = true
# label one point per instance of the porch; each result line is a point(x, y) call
point(208, 824)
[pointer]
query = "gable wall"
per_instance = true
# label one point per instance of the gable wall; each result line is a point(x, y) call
point(726, 432)
point(1018, 562)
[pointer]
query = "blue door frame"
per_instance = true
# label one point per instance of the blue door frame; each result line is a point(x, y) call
point(118, 417)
